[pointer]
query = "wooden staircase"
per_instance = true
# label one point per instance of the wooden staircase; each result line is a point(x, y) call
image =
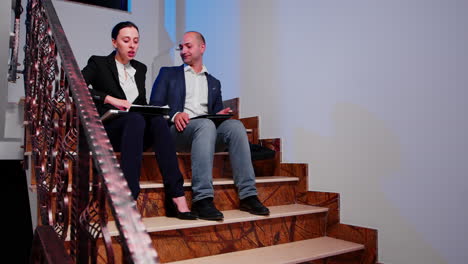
point(303, 227)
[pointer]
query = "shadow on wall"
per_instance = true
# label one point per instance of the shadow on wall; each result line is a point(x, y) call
point(360, 154)
point(164, 54)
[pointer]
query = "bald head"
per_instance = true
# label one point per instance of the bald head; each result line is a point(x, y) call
point(197, 36)
point(192, 48)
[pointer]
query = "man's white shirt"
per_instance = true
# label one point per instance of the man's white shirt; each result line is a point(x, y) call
point(196, 92)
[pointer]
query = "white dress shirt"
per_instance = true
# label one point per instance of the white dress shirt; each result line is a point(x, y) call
point(196, 92)
point(127, 80)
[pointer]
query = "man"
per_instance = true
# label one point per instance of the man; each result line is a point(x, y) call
point(190, 91)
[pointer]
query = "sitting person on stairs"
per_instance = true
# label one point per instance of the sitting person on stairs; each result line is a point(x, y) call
point(118, 81)
point(191, 91)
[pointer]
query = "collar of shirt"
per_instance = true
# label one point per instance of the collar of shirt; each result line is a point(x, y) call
point(126, 67)
point(127, 81)
point(188, 68)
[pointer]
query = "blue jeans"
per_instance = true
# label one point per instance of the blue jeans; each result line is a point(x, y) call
point(202, 138)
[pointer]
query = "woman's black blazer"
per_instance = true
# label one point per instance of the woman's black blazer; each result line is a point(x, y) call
point(101, 72)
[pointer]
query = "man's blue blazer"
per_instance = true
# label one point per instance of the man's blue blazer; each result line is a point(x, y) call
point(169, 89)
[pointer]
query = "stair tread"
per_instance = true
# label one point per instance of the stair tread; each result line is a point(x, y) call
point(222, 181)
point(163, 223)
point(293, 252)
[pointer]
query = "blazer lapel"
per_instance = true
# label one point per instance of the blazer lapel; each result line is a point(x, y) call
point(139, 78)
point(180, 86)
point(115, 74)
point(211, 90)
point(113, 67)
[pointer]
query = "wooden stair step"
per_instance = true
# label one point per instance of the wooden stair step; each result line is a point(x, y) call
point(222, 181)
point(163, 223)
point(293, 252)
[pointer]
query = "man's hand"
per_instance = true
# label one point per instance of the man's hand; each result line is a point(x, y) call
point(181, 121)
point(118, 103)
point(225, 111)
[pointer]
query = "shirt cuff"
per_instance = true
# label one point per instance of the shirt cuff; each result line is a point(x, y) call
point(173, 117)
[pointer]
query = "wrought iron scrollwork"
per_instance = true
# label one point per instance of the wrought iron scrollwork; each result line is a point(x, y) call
point(64, 128)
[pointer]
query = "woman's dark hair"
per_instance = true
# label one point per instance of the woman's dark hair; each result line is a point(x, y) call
point(119, 26)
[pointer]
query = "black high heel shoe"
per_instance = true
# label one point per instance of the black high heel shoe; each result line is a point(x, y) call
point(172, 211)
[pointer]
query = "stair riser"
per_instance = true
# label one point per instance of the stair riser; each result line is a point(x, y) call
point(347, 258)
point(221, 167)
point(150, 201)
point(205, 241)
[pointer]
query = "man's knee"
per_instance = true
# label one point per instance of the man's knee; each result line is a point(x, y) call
point(204, 127)
point(235, 126)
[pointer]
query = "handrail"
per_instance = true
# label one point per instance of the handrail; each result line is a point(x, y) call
point(47, 246)
point(65, 129)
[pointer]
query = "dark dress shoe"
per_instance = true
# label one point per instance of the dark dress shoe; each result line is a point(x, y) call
point(205, 209)
point(172, 211)
point(252, 205)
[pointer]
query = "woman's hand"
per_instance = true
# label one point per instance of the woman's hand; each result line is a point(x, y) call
point(120, 104)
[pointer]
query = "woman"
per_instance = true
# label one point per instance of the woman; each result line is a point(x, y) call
point(118, 81)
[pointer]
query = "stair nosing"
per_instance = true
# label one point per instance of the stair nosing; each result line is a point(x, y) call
point(222, 181)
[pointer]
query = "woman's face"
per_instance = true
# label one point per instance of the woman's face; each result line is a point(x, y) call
point(126, 44)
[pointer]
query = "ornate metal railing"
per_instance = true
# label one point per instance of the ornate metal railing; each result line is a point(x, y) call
point(68, 141)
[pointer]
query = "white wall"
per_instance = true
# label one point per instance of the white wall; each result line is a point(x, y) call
point(371, 94)
point(91, 36)
point(219, 23)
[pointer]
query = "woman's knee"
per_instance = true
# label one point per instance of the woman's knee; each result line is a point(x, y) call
point(159, 121)
point(135, 121)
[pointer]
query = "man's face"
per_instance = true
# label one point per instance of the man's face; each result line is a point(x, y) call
point(191, 49)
